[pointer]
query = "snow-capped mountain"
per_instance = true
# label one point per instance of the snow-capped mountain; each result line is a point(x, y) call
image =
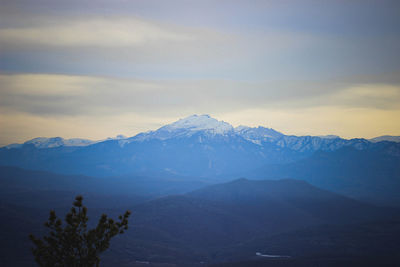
point(51, 142)
point(187, 127)
point(198, 145)
point(44, 142)
point(199, 123)
point(205, 126)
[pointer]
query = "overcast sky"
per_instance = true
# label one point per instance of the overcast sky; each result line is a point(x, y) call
point(95, 69)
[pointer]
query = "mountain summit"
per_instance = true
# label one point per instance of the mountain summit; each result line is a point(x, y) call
point(187, 127)
point(200, 123)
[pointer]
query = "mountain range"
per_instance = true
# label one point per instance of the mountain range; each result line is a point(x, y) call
point(189, 126)
point(194, 146)
point(200, 147)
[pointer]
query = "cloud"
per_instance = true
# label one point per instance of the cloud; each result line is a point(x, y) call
point(173, 39)
point(59, 95)
point(380, 96)
point(135, 46)
point(122, 37)
point(93, 32)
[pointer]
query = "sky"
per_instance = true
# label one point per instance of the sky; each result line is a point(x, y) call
point(98, 68)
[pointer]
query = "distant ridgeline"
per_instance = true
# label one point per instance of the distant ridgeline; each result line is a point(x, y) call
point(203, 147)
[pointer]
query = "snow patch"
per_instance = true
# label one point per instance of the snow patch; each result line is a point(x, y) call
point(187, 127)
point(200, 123)
point(44, 142)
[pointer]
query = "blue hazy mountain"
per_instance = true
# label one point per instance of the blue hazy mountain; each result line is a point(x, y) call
point(201, 146)
point(22, 186)
point(371, 175)
point(193, 146)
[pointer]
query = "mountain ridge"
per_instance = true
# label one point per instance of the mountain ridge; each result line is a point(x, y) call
point(203, 147)
point(191, 125)
point(199, 146)
point(208, 127)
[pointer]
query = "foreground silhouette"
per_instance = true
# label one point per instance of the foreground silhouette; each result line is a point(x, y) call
point(73, 244)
